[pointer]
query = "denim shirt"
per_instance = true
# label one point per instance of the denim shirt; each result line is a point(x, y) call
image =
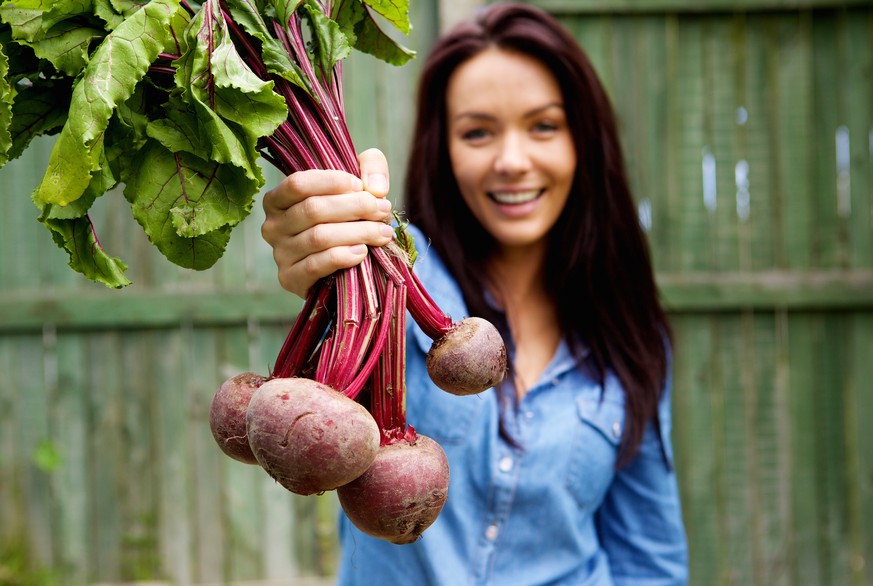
point(554, 510)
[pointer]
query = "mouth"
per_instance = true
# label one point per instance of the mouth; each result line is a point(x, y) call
point(515, 197)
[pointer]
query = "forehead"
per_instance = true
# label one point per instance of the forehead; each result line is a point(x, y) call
point(497, 76)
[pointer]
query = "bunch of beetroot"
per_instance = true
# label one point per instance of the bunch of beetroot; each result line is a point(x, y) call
point(332, 414)
point(304, 426)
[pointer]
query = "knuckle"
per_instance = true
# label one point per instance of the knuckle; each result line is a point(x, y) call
point(312, 208)
point(318, 237)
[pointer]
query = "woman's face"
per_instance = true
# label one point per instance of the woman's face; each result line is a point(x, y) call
point(510, 146)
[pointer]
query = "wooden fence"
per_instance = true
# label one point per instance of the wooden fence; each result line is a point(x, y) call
point(748, 128)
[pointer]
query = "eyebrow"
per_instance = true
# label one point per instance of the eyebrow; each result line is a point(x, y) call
point(529, 114)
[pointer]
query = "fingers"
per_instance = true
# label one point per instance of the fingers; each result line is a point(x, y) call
point(313, 237)
point(300, 186)
point(374, 172)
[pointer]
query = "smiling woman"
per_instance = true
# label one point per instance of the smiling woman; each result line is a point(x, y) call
point(522, 215)
point(510, 146)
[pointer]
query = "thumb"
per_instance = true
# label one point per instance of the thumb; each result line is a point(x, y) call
point(374, 171)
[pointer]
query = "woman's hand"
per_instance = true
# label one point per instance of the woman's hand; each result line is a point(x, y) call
point(313, 237)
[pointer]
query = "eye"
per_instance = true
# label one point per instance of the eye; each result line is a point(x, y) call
point(545, 128)
point(474, 134)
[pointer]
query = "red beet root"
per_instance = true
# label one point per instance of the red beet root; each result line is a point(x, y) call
point(227, 415)
point(468, 359)
point(309, 437)
point(401, 494)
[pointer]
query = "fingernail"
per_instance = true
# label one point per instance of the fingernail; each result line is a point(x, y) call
point(383, 205)
point(386, 231)
point(358, 249)
point(377, 183)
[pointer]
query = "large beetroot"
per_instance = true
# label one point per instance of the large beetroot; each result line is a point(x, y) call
point(402, 493)
point(309, 437)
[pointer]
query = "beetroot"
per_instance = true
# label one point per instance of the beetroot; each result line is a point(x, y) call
point(401, 494)
point(469, 358)
point(227, 415)
point(309, 437)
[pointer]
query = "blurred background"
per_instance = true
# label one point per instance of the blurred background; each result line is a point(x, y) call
point(748, 131)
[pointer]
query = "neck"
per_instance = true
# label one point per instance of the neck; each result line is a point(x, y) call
point(517, 275)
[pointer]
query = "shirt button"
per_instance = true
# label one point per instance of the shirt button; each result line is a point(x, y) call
point(491, 532)
point(529, 414)
point(616, 429)
point(556, 381)
point(505, 464)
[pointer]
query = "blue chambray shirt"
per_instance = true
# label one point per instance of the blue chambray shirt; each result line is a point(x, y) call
point(554, 511)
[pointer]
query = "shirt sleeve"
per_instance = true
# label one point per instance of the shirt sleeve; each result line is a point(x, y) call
point(640, 520)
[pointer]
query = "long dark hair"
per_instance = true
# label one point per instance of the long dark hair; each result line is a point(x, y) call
point(598, 270)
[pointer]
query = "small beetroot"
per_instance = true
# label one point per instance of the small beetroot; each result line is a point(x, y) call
point(227, 415)
point(468, 359)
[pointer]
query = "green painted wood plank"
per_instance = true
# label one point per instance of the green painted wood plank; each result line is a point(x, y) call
point(859, 436)
point(70, 432)
point(175, 497)
point(201, 377)
point(136, 307)
point(107, 454)
point(806, 561)
point(793, 117)
point(694, 418)
point(857, 60)
point(782, 289)
point(829, 238)
point(727, 235)
point(138, 483)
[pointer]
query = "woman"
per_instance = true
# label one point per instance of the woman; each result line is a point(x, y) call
point(522, 215)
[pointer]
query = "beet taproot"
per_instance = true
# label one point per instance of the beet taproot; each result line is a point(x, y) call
point(309, 437)
point(401, 494)
point(227, 415)
point(468, 359)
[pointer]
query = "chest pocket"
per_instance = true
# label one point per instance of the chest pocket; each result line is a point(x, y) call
point(441, 416)
point(598, 435)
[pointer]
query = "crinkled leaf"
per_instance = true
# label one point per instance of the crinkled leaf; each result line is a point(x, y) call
point(195, 128)
point(113, 12)
point(284, 9)
point(227, 107)
point(395, 11)
point(186, 205)
point(121, 60)
point(72, 231)
point(86, 255)
point(39, 109)
point(276, 59)
point(32, 19)
point(7, 94)
point(329, 43)
point(358, 24)
point(66, 45)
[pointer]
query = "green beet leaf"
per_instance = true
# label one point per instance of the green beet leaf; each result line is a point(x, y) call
point(358, 24)
point(202, 199)
point(177, 101)
point(274, 56)
point(6, 101)
point(329, 43)
point(395, 11)
point(66, 45)
point(32, 19)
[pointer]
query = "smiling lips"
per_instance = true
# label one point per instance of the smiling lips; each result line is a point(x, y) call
point(515, 197)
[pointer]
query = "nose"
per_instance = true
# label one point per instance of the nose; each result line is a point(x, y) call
point(512, 156)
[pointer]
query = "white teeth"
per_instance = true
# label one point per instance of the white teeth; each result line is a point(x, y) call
point(515, 197)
